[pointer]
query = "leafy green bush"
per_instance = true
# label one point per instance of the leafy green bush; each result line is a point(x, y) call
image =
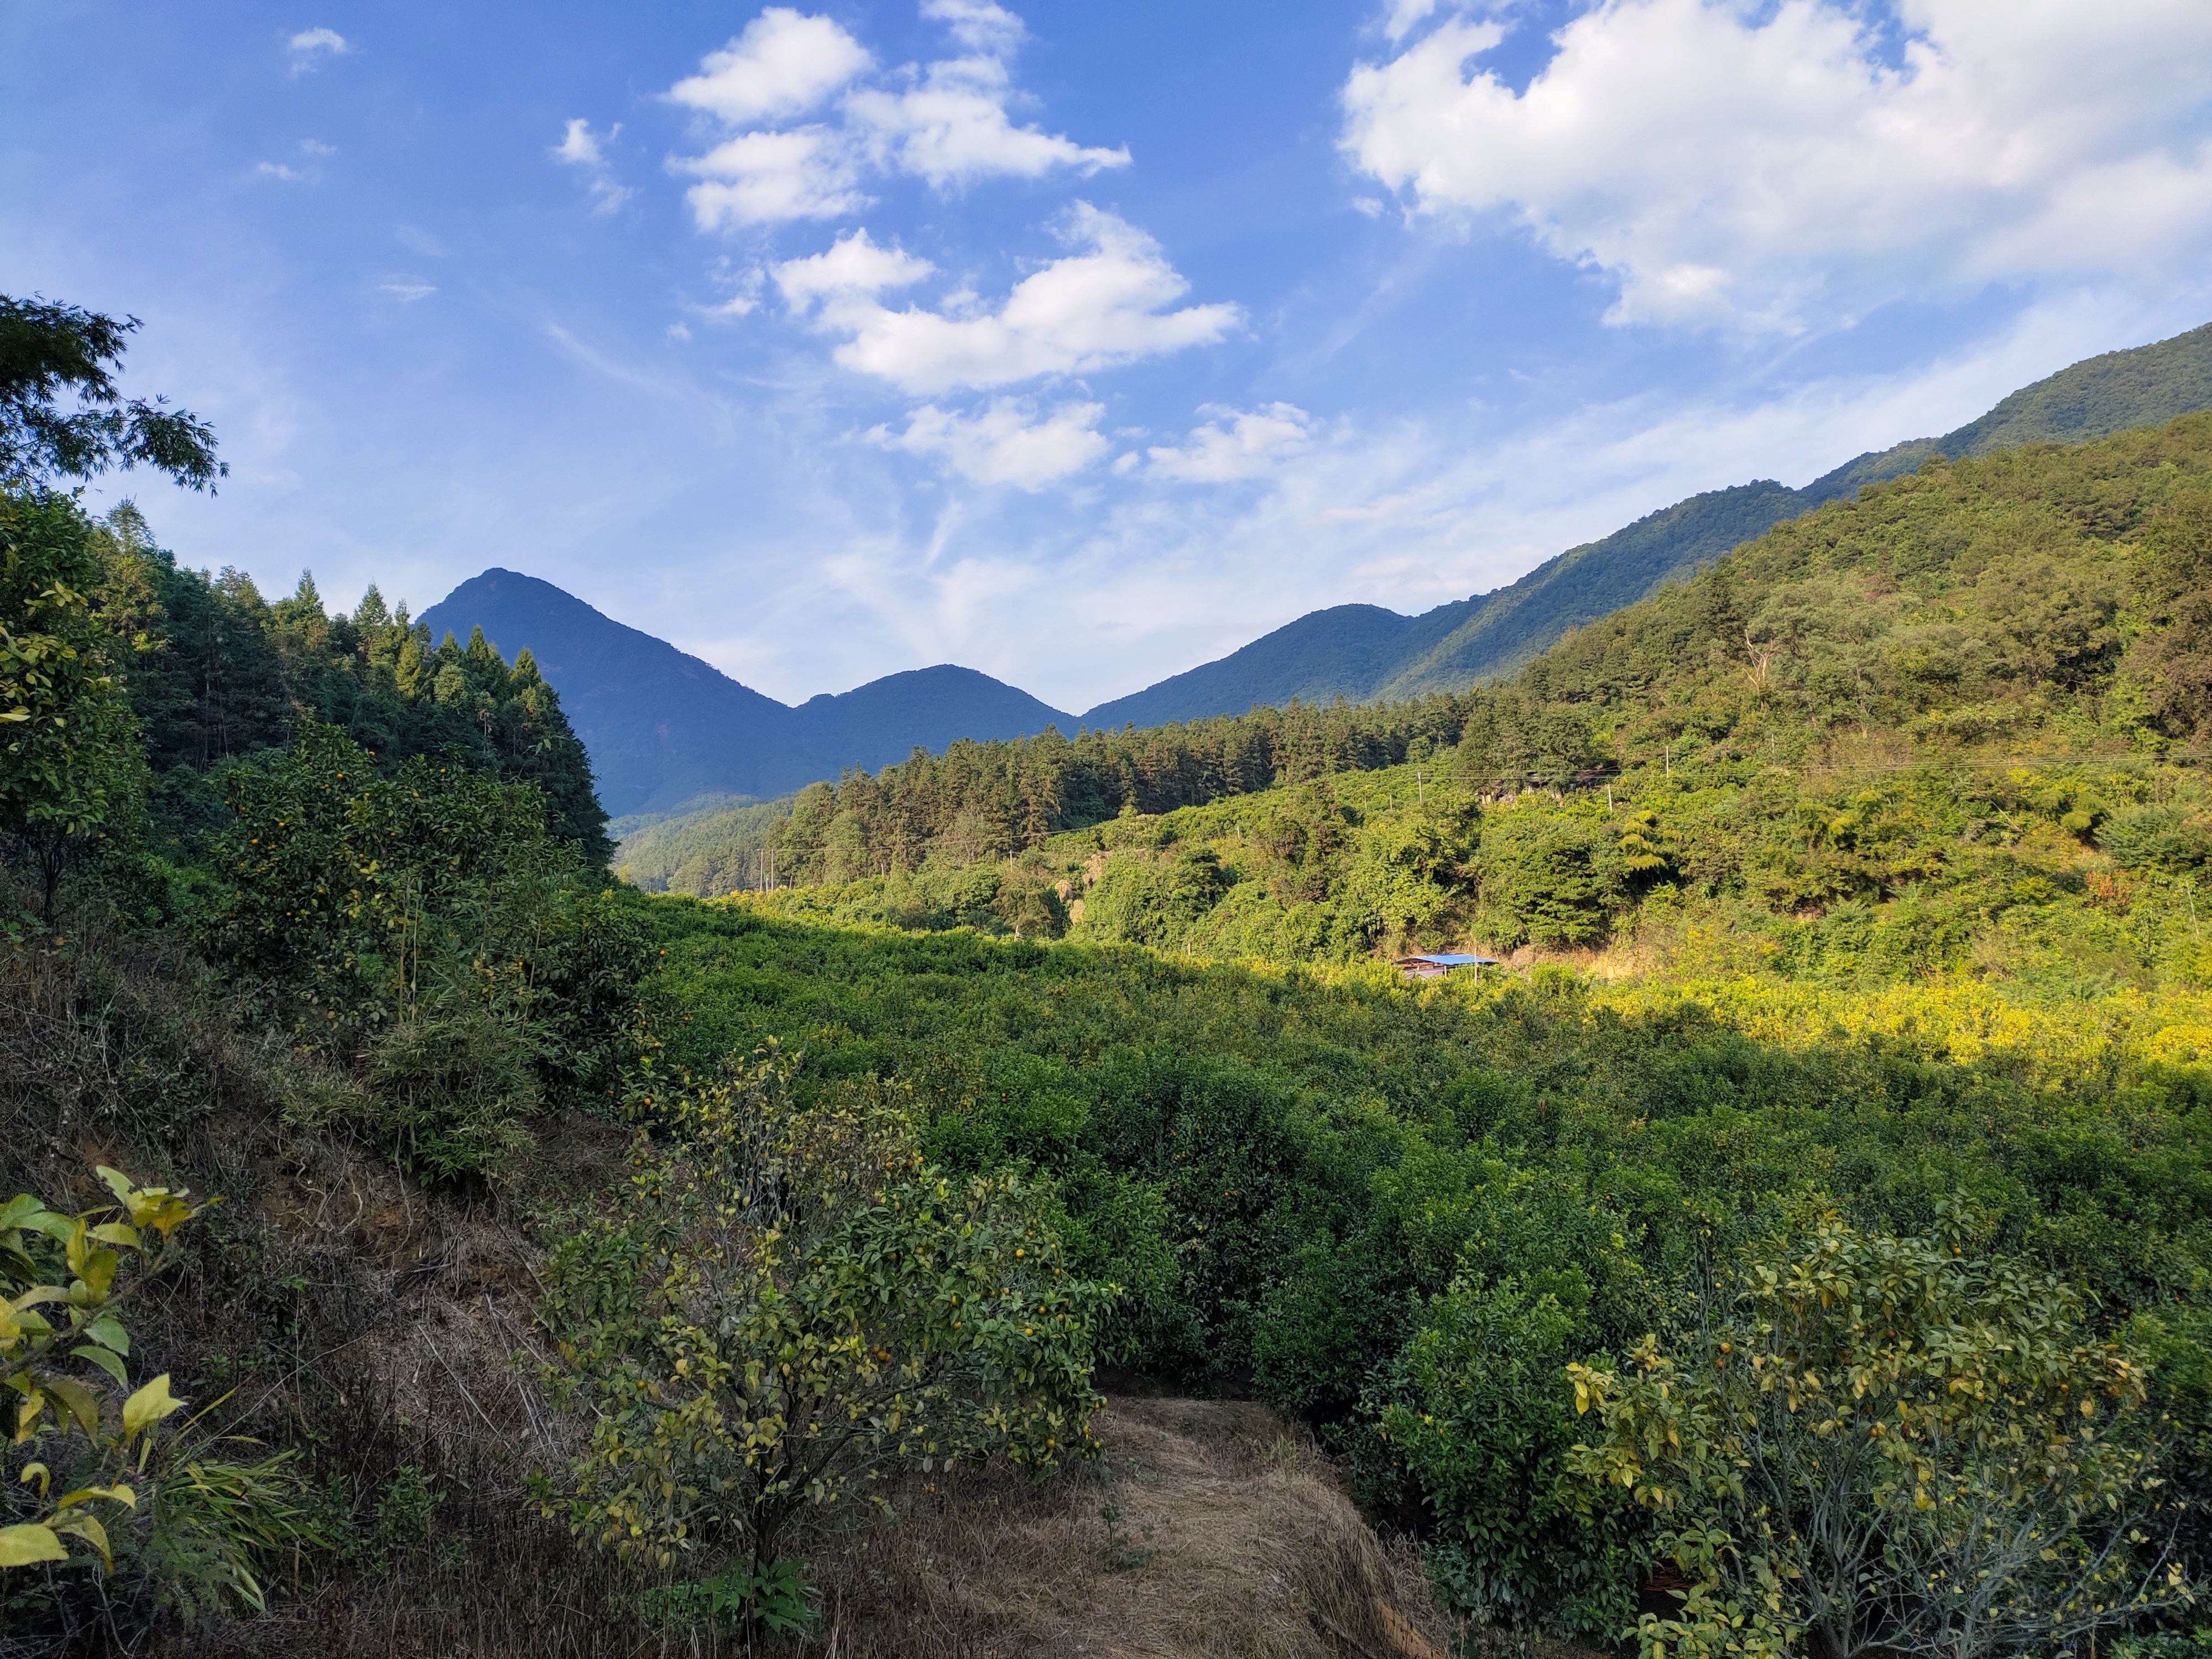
point(1546, 880)
point(1473, 1411)
point(1876, 1441)
point(789, 1303)
point(424, 938)
point(2156, 838)
point(771, 1598)
point(71, 766)
point(1155, 903)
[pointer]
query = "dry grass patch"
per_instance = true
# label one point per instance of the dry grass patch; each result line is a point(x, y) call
point(1208, 1528)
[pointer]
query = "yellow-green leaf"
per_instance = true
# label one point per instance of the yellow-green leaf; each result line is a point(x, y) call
point(148, 1406)
point(27, 1546)
point(89, 1528)
point(117, 1493)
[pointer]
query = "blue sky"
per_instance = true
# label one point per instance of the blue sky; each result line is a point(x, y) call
point(1078, 344)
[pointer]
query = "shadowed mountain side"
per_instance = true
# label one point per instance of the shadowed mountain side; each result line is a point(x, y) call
point(1363, 653)
point(662, 727)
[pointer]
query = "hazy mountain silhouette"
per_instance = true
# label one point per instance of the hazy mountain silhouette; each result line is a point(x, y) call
point(662, 727)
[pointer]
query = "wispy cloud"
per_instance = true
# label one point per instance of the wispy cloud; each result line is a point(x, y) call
point(582, 148)
point(1007, 442)
point(771, 178)
point(311, 48)
point(1236, 443)
point(406, 290)
point(306, 172)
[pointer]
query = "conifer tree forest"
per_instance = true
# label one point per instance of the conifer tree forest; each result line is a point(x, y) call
point(424, 1215)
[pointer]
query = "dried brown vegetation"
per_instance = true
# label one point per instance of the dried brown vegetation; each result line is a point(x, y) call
point(1207, 1528)
point(1229, 1536)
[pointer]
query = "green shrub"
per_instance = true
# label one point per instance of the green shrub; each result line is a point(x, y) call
point(790, 1303)
point(1880, 1441)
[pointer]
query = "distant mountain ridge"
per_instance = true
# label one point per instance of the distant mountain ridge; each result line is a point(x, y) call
point(1365, 653)
point(662, 727)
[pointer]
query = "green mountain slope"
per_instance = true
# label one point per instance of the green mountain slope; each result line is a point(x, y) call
point(2101, 395)
point(1481, 638)
point(1955, 722)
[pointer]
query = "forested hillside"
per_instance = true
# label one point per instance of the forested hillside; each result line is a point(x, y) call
point(216, 674)
point(1858, 722)
point(1378, 655)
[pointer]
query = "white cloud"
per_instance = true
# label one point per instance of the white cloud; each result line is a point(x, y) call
point(1008, 443)
point(946, 122)
point(579, 147)
point(951, 128)
point(1236, 444)
point(1403, 16)
point(783, 64)
point(316, 146)
point(978, 25)
point(853, 266)
point(406, 290)
point(766, 178)
point(309, 47)
point(278, 170)
point(1099, 306)
point(1766, 167)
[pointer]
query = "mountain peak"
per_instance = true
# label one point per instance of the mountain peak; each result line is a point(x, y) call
point(662, 727)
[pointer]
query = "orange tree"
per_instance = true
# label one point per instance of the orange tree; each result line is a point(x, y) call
point(784, 1306)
